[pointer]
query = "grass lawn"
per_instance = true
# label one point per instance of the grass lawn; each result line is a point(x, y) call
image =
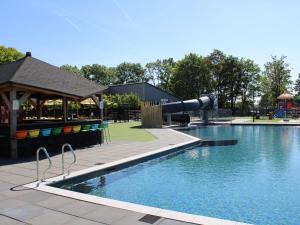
point(130, 131)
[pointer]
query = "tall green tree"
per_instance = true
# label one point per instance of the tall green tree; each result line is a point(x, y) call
point(216, 66)
point(8, 55)
point(242, 84)
point(232, 72)
point(235, 79)
point(160, 72)
point(191, 77)
point(276, 79)
point(71, 69)
point(130, 73)
point(99, 73)
point(297, 85)
point(249, 86)
point(111, 75)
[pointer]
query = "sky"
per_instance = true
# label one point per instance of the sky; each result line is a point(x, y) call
point(109, 32)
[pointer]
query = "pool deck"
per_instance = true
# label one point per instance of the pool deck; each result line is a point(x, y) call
point(20, 205)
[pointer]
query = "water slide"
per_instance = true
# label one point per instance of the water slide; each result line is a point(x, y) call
point(203, 103)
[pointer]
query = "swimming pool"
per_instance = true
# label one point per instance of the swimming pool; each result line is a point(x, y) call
point(255, 181)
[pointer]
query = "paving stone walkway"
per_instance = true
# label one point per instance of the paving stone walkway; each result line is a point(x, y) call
point(19, 205)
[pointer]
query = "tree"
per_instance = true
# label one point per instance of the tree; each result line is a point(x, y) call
point(160, 72)
point(232, 70)
point(101, 74)
point(265, 102)
point(130, 73)
point(8, 55)
point(216, 67)
point(191, 77)
point(250, 86)
point(116, 100)
point(241, 77)
point(276, 79)
point(111, 75)
point(297, 85)
point(71, 69)
point(235, 79)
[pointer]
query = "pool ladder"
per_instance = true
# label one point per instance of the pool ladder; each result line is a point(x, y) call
point(63, 158)
point(43, 149)
point(39, 180)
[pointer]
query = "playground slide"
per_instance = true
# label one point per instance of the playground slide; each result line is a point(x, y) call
point(279, 113)
point(188, 105)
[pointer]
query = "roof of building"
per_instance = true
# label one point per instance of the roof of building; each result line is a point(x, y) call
point(144, 83)
point(32, 72)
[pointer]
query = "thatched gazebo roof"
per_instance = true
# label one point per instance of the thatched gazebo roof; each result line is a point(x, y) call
point(285, 96)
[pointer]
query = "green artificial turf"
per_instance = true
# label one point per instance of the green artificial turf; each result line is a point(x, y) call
point(130, 131)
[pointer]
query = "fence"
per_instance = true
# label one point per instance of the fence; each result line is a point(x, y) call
point(213, 115)
point(122, 114)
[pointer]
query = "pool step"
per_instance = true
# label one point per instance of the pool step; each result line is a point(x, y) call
point(218, 142)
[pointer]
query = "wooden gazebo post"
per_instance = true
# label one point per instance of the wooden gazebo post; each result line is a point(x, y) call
point(101, 106)
point(65, 109)
point(13, 104)
point(97, 100)
point(13, 112)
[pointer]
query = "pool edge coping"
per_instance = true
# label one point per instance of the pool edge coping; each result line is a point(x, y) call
point(170, 214)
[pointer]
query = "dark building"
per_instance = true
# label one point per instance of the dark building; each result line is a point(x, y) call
point(145, 91)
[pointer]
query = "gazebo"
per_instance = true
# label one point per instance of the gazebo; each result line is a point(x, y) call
point(31, 82)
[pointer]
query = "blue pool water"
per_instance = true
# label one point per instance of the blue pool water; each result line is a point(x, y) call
point(255, 181)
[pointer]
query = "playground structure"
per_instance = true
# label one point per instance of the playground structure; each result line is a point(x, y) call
point(285, 105)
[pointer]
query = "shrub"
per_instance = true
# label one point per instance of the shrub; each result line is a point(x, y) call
point(117, 100)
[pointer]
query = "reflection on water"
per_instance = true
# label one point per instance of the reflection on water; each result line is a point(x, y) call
point(87, 186)
point(272, 145)
point(193, 154)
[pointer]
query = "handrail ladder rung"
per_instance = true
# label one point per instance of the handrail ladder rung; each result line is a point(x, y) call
point(39, 180)
point(63, 158)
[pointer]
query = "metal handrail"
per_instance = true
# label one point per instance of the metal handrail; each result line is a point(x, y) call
point(63, 158)
point(37, 164)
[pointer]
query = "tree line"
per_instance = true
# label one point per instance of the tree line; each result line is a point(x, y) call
point(236, 81)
